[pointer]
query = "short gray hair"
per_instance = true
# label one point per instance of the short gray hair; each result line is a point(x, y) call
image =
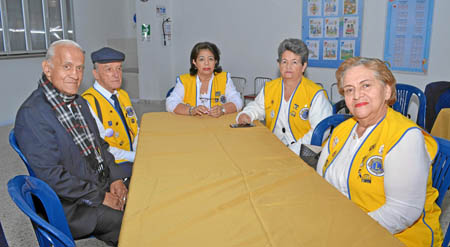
point(51, 50)
point(296, 46)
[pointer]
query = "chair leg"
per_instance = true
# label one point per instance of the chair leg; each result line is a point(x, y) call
point(3, 242)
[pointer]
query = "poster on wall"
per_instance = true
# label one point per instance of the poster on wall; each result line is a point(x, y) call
point(408, 30)
point(332, 30)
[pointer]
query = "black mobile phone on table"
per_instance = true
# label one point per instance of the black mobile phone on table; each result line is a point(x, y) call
point(242, 125)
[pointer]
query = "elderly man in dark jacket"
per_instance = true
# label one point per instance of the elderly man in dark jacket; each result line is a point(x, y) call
point(60, 139)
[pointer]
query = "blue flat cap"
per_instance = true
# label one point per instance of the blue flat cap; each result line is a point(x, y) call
point(107, 55)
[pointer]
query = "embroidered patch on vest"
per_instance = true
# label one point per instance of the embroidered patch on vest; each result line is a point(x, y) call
point(366, 178)
point(293, 113)
point(304, 113)
point(295, 106)
point(272, 114)
point(109, 123)
point(130, 111)
point(223, 99)
point(375, 166)
point(218, 93)
point(335, 141)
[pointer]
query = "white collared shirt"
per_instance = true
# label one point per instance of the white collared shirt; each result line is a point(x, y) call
point(320, 108)
point(177, 96)
point(117, 152)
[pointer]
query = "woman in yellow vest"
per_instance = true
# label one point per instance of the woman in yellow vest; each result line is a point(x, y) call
point(380, 159)
point(291, 105)
point(206, 90)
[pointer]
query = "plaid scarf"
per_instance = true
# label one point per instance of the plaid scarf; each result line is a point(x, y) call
point(69, 115)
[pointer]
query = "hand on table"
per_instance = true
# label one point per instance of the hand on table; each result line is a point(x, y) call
point(244, 119)
point(216, 111)
point(199, 110)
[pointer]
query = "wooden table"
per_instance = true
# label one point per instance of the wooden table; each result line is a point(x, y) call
point(198, 182)
point(441, 127)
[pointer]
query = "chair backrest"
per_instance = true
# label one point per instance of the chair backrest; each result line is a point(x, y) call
point(259, 83)
point(404, 93)
point(15, 146)
point(443, 102)
point(55, 231)
point(169, 92)
point(334, 88)
point(340, 107)
point(331, 121)
point(432, 92)
point(3, 242)
point(239, 83)
point(441, 175)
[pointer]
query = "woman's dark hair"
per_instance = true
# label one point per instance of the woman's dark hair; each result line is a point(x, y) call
point(202, 46)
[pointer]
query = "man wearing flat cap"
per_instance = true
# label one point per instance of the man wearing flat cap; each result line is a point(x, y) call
point(111, 107)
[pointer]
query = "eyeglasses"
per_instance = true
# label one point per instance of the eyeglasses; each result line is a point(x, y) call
point(285, 62)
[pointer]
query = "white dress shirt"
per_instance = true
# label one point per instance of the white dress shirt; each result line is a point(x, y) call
point(405, 177)
point(117, 152)
point(320, 109)
point(177, 96)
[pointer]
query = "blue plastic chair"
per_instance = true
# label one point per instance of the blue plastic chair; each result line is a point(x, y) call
point(55, 231)
point(169, 92)
point(3, 242)
point(331, 121)
point(441, 176)
point(340, 107)
point(443, 102)
point(404, 93)
point(15, 146)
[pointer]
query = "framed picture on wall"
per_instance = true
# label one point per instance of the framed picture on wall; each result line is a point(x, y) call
point(332, 30)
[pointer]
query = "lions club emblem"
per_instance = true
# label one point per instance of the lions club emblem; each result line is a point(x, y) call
point(304, 113)
point(375, 166)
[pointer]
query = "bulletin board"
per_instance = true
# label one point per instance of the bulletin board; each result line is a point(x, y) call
point(408, 31)
point(332, 30)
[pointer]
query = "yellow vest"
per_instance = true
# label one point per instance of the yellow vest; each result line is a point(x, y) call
point(366, 175)
point(110, 118)
point(218, 86)
point(298, 107)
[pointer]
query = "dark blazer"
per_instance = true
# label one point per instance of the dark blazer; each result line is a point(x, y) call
point(56, 159)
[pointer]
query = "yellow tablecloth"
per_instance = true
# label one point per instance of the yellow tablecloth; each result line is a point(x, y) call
point(198, 182)
point(441, 127)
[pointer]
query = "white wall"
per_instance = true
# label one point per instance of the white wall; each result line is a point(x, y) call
point(248, 34)
point(155, 60)
point(19, 79)
point(95, 23)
